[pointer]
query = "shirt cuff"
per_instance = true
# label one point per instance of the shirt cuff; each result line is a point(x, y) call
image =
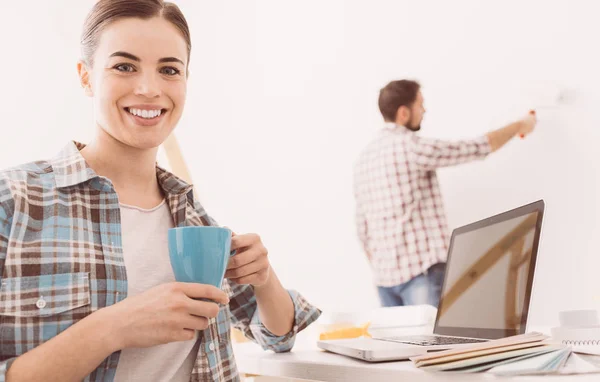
point(304, 315)
point(483, 145)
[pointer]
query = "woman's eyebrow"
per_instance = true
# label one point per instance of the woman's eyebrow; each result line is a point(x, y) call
point(171, 59)
point(136, 58)
point(126, 55)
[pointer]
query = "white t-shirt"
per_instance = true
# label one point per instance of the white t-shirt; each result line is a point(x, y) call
point(146, 254)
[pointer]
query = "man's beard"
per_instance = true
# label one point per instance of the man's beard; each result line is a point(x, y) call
point(413, 127)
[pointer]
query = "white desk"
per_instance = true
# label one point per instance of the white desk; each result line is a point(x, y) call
point(306, 361)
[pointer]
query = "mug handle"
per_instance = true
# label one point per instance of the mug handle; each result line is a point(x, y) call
point(232, 253)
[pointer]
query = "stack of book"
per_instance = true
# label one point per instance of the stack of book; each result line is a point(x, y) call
point(531, 353)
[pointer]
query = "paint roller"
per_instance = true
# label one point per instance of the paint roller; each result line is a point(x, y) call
point(551, 99)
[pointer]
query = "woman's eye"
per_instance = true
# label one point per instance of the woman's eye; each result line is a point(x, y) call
point(124, 68)
point(170, 71)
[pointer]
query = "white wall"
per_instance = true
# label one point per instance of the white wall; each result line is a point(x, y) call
point(282, 96)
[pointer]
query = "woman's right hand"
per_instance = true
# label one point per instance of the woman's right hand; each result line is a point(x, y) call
point(165, 313)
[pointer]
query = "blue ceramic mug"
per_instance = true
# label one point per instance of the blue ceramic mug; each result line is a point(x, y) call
point(199, 254)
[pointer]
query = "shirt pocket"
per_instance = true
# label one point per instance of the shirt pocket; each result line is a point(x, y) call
point(46, 296)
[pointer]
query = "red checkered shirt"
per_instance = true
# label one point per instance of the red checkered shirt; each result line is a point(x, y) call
point(399, 210)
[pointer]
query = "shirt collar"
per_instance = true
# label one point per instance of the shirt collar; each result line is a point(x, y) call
point(392, 128)
point(70, 169)
point(69, 166)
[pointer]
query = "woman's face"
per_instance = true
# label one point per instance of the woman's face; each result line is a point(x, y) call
point(138, 81)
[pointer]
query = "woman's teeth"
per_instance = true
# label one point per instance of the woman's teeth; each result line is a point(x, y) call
point(145, 113)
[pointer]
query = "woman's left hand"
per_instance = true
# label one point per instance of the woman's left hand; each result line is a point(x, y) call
point(250, 265)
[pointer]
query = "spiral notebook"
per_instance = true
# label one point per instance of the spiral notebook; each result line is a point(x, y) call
point(582, 339)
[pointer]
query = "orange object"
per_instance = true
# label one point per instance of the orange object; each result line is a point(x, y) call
point(351, 332)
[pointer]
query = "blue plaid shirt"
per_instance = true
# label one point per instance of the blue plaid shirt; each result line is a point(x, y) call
point(61, 259)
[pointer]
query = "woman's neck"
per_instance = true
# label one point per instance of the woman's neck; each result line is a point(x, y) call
point(132, 171)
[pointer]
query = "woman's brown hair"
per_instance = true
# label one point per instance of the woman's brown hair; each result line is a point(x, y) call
point(105, 12)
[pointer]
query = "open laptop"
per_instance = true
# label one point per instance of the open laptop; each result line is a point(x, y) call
point(486, 292)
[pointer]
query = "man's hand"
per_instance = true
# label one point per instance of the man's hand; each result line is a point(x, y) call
point(521, 127)
point(527, 124)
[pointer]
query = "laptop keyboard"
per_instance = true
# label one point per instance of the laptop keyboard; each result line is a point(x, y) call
point(433, 340)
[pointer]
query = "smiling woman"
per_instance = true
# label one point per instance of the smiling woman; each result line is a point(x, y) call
point(138, 84)
point(87, 288)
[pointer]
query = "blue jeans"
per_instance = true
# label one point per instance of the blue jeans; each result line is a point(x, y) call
point(426, 288)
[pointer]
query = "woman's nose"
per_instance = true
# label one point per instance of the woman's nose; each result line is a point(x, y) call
point(148, 86)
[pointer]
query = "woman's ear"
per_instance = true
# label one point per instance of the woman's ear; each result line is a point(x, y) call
point(84, 78)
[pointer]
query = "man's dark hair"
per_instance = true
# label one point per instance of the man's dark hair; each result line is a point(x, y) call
point(396, 94)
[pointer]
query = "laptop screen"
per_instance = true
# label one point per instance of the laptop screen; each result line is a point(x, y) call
point(489, 275)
